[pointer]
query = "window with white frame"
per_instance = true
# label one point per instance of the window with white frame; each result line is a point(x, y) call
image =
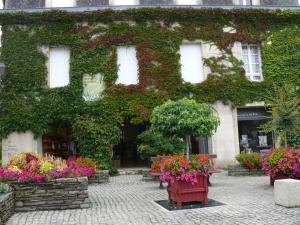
point(60, 3)
point(191, 62)
point(59, 67)
point(252, 62)
point(249, 2)
point(124, 2)
point(186, 2)
point(128, 65)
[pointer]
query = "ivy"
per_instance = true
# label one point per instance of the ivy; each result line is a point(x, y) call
point(26, 103)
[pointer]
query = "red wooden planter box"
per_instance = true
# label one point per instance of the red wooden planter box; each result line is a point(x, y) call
point(181, 191)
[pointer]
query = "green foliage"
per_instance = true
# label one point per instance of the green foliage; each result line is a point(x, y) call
point(250, 161)
point(184, 117)
point(153, 144)
point(285, 111)
point(45, 167)
point(95, 139)
point(26, 103)
point(294, 140)
point(4, 188)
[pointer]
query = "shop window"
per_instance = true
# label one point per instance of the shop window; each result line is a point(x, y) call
point(199, 145)
point(60, 3)
point(252, 62)
point(187, 2)
point(128, 65)
point(191, 63)
point(59, 66)
point(124, 2)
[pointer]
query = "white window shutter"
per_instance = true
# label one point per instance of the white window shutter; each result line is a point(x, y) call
point(59, 67)
point(63, 3)
point(128, 65)
point(191, 63)
point(186, 2)
point(124, 2)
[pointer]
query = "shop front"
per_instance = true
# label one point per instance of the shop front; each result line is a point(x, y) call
point(251, 138)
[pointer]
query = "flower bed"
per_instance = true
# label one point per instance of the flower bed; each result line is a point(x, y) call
point(250, 161)
point(48, 183)
point(282, 163)
point(30, 167)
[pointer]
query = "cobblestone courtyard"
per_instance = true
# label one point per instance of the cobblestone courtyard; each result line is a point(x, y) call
point(128, 200)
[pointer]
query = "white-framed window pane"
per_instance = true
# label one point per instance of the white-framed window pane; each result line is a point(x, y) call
point(191, 63)
point(63, 3)
point(252, 61)
point(59, 67)
point(124, 2)
point(186, 2)
point(128, 65)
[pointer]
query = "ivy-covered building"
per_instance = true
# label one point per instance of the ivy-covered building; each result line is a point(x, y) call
point(88, 73)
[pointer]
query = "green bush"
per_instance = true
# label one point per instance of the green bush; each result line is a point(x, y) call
point(95, 138)
point(250, 161)
point(153, 144)
point(294, 140)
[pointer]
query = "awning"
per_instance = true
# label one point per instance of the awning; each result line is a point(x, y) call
point(244, 114)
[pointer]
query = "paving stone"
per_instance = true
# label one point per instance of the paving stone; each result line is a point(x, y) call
point(127, 200)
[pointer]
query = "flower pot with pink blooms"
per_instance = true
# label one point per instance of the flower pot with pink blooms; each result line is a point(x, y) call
point(187, 178)
point(282, 164)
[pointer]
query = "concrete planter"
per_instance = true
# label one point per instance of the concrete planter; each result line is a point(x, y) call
point(237, 170)
point(65, 193)
point(182, 191)
point(98, 177)
point(6, 207)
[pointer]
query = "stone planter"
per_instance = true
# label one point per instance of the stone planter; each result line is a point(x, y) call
point(6, 207)
point(98, 177)
point(237, 170)
point(182, 191)
point(65, 193)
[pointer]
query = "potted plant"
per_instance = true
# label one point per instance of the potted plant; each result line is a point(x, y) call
point(252, 161)
point(184, 118)
point(187, 178)
point(282, 164)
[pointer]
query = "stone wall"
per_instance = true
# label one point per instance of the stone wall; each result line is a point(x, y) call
point(237, 170)
point(99, 177)
point(65, 193)
point(6, 207)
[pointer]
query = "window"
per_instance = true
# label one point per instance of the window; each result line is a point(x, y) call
point(186, 2)
point(128, 65)
point(249, 2)
point(59, 67)
point(252, 62)
point(191, 63)
point(61, 3)
point(124, 2)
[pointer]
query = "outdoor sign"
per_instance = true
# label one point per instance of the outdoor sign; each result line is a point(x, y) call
point(93, 87)
point(244, 114)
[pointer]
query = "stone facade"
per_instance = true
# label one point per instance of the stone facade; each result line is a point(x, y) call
point(65, 193)
point(237, 170)
point(6, 207)
point(24, 4)
point(83, 3)
point(99, 177)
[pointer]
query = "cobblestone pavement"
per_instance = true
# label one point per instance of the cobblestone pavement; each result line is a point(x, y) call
point(127, 200)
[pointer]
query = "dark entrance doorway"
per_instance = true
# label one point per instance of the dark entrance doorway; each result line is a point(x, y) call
point(249, 122)
point(58, 143)
point(125, 154)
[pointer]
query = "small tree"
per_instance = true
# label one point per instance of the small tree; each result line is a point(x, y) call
point(153, 144)
point(284, 107)
point(184, 118)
